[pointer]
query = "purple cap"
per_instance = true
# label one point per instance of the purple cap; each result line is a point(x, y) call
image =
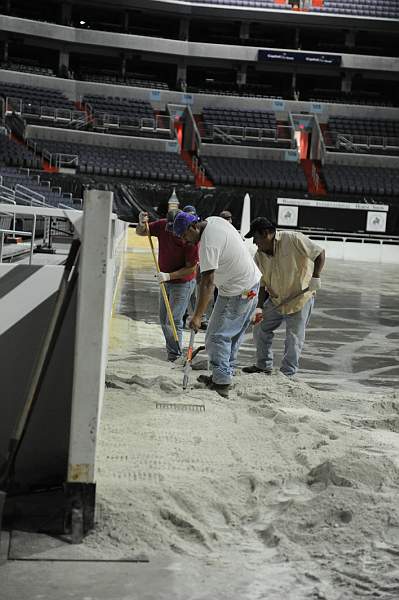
point(182, 222)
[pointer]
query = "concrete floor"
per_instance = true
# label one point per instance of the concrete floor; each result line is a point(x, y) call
point(352, 343)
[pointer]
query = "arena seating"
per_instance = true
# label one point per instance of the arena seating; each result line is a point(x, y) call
point(24, 68)
point(276, 174)
point(40, 188)
point(374, 181)
point(367, 8)
point(271, 4)
point(246, 128)
point(17, 154)
point(127, 116)
point(124, 107)
point(118, 80)
point(375, 136)
point(336, 97)
point(34, 98)
point(251, 90)
point(239, 118)
point(141, 164)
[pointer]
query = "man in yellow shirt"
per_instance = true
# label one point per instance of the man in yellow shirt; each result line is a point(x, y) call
point(290, 264)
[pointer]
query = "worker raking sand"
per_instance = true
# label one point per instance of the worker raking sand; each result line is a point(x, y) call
point(225, 262)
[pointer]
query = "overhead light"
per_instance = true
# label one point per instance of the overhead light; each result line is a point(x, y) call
point(82, 22)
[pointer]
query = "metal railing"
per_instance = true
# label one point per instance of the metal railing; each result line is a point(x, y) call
point(13, 105)
point(359, 143)
point(238, 134)
point(67, 116)
point(158, 124)
point(69, 161)
point(31, 195)
point(7, 200)
point(315, 177)
point(14, 232)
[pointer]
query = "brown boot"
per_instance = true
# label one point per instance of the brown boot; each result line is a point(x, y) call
point(222, 390)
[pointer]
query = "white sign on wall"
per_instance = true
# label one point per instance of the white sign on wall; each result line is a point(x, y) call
point(376, 221)
point(332, 204)
point(288, 216)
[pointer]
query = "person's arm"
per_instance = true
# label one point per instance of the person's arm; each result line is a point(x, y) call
point(315, 282)
point(141, 228)
point(183, 272)
point(205, 295)
point(191, 260)
point(262, 297)
point(319, 264)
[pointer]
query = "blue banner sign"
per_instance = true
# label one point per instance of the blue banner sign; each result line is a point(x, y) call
point(301, 57)
point(291, 155)
point(316, 107)
point(172, 146)
point(278, 105)
point(187, 99)
point(155, 95)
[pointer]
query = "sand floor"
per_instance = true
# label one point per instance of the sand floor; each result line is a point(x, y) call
point(280, 492)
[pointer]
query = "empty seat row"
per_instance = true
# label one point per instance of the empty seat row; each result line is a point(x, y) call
point(126, 107)
point(15, 154)
point(254, 172)
point(121, 162)
point(346, 179)
point(12, 177)
point(128, 81)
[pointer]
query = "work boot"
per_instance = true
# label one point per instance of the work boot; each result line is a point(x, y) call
point(255, 369)
point(221, 389)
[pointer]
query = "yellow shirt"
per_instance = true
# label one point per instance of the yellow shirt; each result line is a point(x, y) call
point(289, 270)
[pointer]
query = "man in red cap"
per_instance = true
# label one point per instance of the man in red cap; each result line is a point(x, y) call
point(178, 263)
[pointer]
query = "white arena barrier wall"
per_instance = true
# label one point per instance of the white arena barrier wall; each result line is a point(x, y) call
point(58, 450)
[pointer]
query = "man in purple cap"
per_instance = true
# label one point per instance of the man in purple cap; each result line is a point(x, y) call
point(225, 262)
point(178, 263)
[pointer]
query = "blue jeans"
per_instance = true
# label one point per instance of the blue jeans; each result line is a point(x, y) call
point(179, 296)
point(295, 324)
point(229, 321)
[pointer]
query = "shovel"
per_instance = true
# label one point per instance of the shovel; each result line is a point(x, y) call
point(291, 298)
point(189, 358)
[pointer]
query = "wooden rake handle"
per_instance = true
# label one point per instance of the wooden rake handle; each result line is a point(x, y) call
point(163, 290)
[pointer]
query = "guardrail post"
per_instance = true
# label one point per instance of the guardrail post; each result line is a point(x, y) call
point(94, 300)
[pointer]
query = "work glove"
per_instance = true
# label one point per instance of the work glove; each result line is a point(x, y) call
point(143, 218)
point(257, 316)
point(315, 284)
point(163, 277)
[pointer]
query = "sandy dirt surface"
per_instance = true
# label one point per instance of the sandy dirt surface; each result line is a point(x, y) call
point(280, 492)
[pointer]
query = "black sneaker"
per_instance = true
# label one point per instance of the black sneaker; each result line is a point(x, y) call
point(255, 369)
point(173, 357)
point(222, 390)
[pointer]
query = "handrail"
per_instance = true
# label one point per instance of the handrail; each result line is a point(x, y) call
point(31, 201)
point(10, 231)
point(61, 205)
point(23, 189)
point(14, 232)
point(9, 201)
point(6, 190)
